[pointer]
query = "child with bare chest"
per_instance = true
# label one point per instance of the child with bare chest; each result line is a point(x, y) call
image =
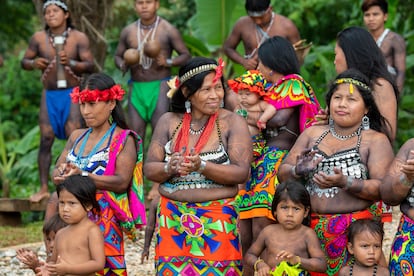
point(79, 247)
point(291, 247)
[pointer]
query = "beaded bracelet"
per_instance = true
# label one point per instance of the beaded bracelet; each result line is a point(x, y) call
point(256, 263)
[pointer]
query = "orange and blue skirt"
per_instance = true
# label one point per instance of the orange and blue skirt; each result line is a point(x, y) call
point(198, 238)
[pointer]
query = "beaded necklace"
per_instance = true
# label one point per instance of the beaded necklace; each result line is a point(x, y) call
point(351, 268)
point(264, 35)
point(83, 162)
point(145, 61)
point(343, 137)
point(196, 132)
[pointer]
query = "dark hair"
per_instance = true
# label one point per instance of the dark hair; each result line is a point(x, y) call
point(192, 84)
point(296, 192)
point(367, 4)
point(101, 82)
point(374, 226)
point(83, 188)
point(362, 53)
point(53, 224)
point(69, 23)
point(376, 120)
point(278, 54)
point(257, 5)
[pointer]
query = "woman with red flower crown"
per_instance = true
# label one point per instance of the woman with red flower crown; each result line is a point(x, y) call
point(111, 155)
point(199, 153)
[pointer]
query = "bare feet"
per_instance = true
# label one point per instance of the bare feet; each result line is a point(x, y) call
point(153, 193)
point(39, 196)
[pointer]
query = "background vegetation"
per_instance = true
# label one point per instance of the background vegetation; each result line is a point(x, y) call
point(204, 26)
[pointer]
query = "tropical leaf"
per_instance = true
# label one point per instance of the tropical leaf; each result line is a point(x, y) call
point(214, 19)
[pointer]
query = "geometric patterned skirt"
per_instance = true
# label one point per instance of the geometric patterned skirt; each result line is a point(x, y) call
point(198, 238)
point(402, 249)
point(113, 239)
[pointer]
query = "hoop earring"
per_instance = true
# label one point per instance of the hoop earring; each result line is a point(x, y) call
point(187, 105)
point(365, 122)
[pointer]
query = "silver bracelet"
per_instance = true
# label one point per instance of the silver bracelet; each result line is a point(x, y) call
point(32, 61)
point(202, 166)
point(166, 168)
point(293, 172)
point(72, 63)
point(349, 181)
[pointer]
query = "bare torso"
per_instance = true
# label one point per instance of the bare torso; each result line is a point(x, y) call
point(76, 47)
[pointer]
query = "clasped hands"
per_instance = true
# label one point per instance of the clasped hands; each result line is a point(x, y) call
point(66, 169)
point(308, 160)
point(183, 165)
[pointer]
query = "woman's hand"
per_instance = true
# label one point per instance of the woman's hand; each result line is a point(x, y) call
point(408, 167)
point(307, 161)
point(191, 163)
point(325, 181)
point(322, 117)
point(66, 169)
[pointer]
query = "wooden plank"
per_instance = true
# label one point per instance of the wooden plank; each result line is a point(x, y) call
point(21, 205)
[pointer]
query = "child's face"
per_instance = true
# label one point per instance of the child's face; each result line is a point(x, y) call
point(290, 214)
point(70, 209)
point(366, 248)
point(247, 98)
point(49, 240)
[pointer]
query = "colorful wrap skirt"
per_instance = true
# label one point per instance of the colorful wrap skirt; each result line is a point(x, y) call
point(331, 231)
point(198, 238)
point(113, 239)
point(257, 197)
point(402, 250)
point(283, 268)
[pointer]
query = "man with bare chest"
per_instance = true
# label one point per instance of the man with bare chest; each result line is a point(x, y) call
point(392, 44)
point(153, 39)
point(260, 24)
point(62, 54)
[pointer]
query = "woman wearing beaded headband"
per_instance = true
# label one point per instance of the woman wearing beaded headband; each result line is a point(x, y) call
point(199, 153)
point(110, 154)
point(57, 116)
point(342, 164)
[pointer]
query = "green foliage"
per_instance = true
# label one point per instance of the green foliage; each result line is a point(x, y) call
point(19, 13)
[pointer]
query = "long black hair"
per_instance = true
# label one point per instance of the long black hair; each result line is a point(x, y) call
point(278, 54)
point(362, 53)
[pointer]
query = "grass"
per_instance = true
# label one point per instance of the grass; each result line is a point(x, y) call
point(26, 233)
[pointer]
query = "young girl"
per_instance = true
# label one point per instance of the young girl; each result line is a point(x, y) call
point(79, 247)
point(250, 90)
point(292, 247)
point(50, 228)
point(365, 244)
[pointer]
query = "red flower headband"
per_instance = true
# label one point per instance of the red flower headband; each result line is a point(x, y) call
point(86, 95)
point(176, 82)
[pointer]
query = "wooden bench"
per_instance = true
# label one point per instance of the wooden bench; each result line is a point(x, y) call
point(11, 208)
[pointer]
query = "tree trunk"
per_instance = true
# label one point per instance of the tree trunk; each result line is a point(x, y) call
point(90, 17)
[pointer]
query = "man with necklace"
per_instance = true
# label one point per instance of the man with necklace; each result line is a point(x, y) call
point(58, 48)
point(259, 24)
point(148, 85)
point(391, 44)
point(147, 99)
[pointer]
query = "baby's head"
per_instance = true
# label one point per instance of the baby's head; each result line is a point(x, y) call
point(50, 227)
point(250, 87)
